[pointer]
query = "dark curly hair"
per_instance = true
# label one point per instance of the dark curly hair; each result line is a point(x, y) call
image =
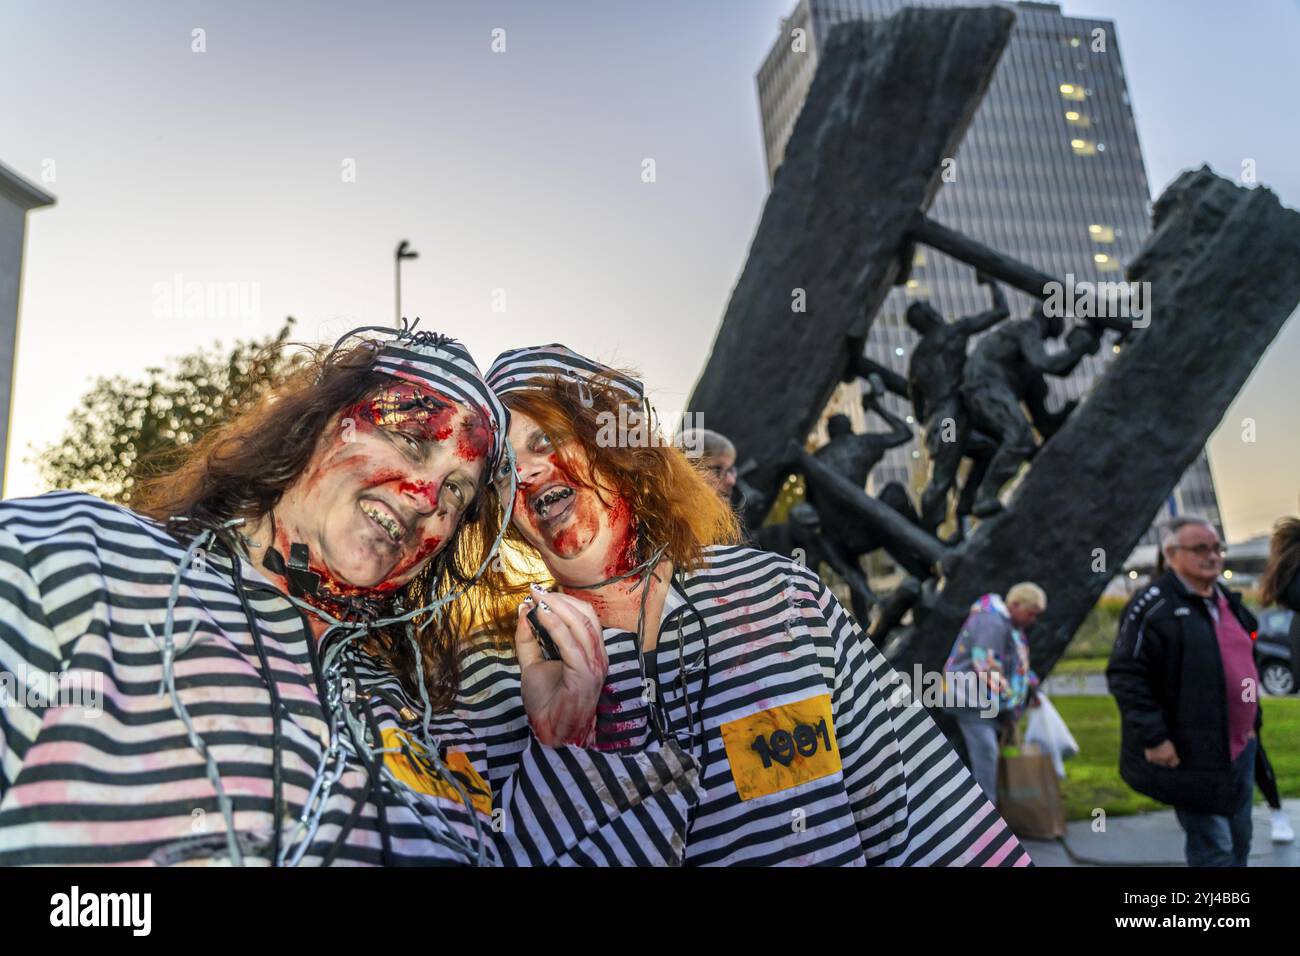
point(1283, 561)
point(242, 468)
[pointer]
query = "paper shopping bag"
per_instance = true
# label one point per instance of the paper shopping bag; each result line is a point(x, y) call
point(1029, 794)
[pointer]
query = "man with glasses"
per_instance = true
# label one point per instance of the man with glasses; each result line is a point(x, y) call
point(715, 457)
point(1183, 674)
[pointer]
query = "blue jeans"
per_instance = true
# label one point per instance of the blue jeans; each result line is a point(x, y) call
point(981, 736)
point(1215, 840)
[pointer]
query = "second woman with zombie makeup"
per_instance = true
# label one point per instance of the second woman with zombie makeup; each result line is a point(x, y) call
point(256, 665)
point(810, 749)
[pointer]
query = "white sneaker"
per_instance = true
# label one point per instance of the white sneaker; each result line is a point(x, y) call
point(1282, 832)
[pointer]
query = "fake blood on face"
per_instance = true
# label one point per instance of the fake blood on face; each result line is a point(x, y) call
point(581, 528)
point(408, 417)
point(330, 589)
point(579, 524)
point(472, 440)
point(425, 492)
point(427, 547)
point(586, 518)
point(421, 412)
point(426, 415)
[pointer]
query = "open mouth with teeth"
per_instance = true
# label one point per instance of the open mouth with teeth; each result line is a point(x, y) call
point(552, 503)
point(385, 520)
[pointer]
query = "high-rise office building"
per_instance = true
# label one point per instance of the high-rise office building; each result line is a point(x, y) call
point(1049, 172)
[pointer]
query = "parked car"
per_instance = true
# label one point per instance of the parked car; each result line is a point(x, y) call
point(1273, 651)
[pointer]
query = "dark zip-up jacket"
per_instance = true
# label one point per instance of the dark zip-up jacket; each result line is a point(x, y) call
point(1166, 674)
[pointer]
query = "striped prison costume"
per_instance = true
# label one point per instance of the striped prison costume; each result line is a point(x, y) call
point(96, 765)
point(813, 750)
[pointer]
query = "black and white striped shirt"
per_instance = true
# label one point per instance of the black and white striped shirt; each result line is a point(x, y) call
point(96, 765)
point(814, 750)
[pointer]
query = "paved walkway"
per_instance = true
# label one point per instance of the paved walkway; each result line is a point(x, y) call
point(1156, 839)
point(1146, 839)
point(1089, 684)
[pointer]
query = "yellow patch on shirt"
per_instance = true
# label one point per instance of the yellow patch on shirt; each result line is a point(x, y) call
point(782, 747)
point(422, 779)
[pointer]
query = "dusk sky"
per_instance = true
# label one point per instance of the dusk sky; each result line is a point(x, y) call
point(517, 171)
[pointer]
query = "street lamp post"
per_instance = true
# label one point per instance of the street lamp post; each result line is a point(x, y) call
point(403, 252)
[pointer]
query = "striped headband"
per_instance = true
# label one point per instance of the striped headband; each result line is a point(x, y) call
point(430, 358)
point(534, 367)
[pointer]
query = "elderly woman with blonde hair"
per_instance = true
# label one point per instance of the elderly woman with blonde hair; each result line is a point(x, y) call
point(991, 646)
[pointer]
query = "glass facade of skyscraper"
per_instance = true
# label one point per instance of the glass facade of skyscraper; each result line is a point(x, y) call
point(1050, 172)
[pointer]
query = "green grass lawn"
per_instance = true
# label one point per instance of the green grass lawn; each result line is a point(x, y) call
point(1092, 776)
point(1080, 665)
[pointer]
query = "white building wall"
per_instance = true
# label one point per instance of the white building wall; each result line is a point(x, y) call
point(17, 196)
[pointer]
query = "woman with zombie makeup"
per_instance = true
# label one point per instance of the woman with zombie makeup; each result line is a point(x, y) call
point(811, 749)
point(256, 665)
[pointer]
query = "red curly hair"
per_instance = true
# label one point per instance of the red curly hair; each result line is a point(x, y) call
point(673, 507)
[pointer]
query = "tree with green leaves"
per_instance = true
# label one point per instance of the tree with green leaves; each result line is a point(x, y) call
point(126, 430)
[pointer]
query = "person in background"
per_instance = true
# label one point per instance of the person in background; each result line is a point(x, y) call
point(1265, 778)
point(991, 644)
point(1280, 585)
point(714, 456)
point(1183, 674)
point(716, 461)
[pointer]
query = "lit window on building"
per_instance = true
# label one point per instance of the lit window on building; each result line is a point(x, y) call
point(1011, 197)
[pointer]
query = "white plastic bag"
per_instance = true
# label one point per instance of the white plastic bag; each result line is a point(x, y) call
point(1048, 730)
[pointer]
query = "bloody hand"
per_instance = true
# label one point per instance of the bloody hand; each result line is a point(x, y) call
point(560, 696)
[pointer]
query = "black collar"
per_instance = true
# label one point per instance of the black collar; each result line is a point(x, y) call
point(1171, 580)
